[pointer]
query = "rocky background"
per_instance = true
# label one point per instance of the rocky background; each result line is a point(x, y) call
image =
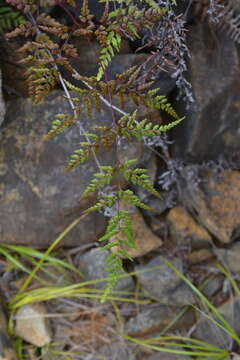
point(195, 226)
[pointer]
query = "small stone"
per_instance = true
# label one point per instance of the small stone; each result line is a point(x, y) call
point(164, 284)
point(212, 286)
point(144, 238)
point(184, 228)
point(216, 203)
point(93, 266)
point(32, 326)
point(155, 318)
point(199, 256)
point(231, 257)
point(207, 330)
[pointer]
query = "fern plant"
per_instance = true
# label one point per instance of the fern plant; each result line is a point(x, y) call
point(46, 52)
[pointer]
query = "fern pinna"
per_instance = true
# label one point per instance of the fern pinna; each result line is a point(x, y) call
point(48, 51)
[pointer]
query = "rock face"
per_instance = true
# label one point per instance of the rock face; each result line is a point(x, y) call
point(212, 123)
point(215, 202)
point(32, 326)
point(164, 284)
point(38, 200)
point(2, 103)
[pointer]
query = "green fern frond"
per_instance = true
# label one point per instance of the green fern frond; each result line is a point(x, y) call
point(128, 126)
point(10, 18)
point(112, 45)
point(131, 198)
point(140, 177)
point(121, 224)
point(115, 270)
point(82, 155)
point(100, 180)
point(106, 202)
point(160, 102)
point(59, 125)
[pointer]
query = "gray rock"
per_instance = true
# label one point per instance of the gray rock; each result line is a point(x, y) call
point(212, 286)
point(207, 330)
point(32, 325)
point(93, 266)
point(212, 123)
point(155, 318)
point(38, 199)
point(164, 284)
point(231, 257)
point(2, 103)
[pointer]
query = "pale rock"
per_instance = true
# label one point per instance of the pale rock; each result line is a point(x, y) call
point(32, 325)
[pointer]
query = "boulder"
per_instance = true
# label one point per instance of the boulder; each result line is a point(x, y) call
point(38, 200)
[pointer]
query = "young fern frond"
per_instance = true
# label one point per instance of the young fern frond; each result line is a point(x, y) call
point(100, 180)
point(139, 177)
point(160, 102)
point(59, 125)
point(114, 267)
point(119, 224)
point(129, 197)
point(83, 154)
point(10, 18)
point(106, 202)
point(128, 126)
point(112, 45)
